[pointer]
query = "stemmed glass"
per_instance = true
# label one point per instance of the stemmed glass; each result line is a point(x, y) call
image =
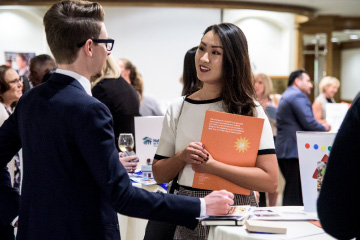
point(126, 142)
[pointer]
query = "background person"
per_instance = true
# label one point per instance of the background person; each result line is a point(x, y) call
point(189, 77)
point(328, 88)
point(294, 114)
point(39, 66)
point(74, 183)
point(223, 66)
point(122, 101)
point(120, 97)
point(263, 91)
point(10, 92)
point(148, 105)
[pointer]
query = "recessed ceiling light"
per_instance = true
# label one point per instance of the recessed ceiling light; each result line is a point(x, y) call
point(354, 36)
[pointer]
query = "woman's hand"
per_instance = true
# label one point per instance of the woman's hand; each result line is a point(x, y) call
point(206, 166)
point(127, 162)
point(194, 153)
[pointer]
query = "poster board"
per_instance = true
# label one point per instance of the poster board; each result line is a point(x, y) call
point(147, 136)
point(335, 114)
point(313, 148)
point(232, 139)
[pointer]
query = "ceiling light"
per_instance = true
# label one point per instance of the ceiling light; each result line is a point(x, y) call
point(334, 39)
point(354, 36)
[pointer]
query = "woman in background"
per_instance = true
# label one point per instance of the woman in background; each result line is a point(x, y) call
point(263, 91)
point(189, 78)
point(10, 92)
point(328, 87)
point(148, 105)
point(122, 101)
point(223, 67)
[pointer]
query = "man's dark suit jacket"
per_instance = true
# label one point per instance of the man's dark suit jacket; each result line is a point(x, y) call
point(26, 84)
point(294, 113)
point(73, 180)
point(123, 102)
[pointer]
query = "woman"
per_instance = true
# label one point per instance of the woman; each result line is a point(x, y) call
point(328, 87)
point(116, 94)
point(263, 89)
point(189, 78)
point(10, 91)
point(223, 68)
point(148, 105)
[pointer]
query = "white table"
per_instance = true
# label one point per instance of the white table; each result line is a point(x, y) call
point(295, 230)
point(134, 228)
point(303, 230)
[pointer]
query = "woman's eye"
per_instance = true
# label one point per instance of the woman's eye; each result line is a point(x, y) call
point(216, 53)
point(201, 48)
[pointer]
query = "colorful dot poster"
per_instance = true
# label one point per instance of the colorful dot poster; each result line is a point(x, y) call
point(314, 149)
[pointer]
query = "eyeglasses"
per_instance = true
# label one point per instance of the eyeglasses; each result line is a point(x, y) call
point(109, 43)
point(16, 81)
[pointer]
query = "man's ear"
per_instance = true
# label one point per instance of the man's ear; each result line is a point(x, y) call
point(296, 81)
point(89, 47)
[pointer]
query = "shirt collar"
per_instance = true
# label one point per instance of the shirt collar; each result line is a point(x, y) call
point(85, 83)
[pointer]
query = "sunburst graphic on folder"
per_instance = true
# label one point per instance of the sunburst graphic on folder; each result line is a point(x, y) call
point(242, 144)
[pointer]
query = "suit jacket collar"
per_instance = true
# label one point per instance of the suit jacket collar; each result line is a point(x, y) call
point(85, 83)
point(62, 80)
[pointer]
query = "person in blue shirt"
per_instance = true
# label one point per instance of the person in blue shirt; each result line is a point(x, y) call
point(294, 114)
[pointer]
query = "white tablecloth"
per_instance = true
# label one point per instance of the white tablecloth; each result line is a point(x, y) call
point(134, 228)
point(303, 230)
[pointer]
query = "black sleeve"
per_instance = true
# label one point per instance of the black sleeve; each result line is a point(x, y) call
point(338, 203)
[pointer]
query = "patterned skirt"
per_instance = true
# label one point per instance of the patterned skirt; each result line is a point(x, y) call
point(201, 232)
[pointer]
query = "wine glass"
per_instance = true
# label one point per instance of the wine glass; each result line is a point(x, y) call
point(126, 142)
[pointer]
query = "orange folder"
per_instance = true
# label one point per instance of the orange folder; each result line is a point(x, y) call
point(232, 139)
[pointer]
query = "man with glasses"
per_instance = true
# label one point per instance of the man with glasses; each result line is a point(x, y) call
point(73, 179)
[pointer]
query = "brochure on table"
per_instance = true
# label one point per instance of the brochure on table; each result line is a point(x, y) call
point(232, 139)
point(281, 214)
point(313, 149)
point(147, 136)
point(237, 216)
point(335, 114)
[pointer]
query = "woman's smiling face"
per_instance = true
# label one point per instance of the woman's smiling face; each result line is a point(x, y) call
point(209, 59)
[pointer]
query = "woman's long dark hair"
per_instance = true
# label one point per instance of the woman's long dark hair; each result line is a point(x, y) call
point(237, 91)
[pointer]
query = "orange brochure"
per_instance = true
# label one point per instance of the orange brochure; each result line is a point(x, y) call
point(232, 139)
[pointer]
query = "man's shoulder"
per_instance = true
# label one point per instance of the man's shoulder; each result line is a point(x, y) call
point(293, 93)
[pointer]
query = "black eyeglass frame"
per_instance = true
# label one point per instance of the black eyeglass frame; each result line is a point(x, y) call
point(106, 41)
